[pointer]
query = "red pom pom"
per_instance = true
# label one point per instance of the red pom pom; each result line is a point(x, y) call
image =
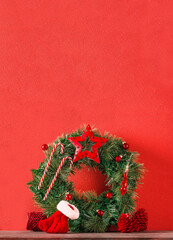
point(68, 197)
point(118, 158)
point(125, 145)
point(44, 147)
point(33, 220)
point(100, 213)
point(109, 195)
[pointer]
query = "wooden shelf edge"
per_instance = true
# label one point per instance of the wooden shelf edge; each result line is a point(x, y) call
point(30, 235)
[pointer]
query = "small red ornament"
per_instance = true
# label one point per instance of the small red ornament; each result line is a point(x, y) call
point(44, 147)
point(109, 195)
point(118, 158)
point(125, 145)
point(100, 213)
point(124, 183)
point(68, 197)
point(123, 190)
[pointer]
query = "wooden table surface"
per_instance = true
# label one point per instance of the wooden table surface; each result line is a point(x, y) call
point(30, 235)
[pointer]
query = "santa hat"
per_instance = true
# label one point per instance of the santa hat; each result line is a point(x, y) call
point(58, 222)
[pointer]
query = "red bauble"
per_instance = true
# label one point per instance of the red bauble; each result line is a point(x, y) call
point(125, 145)
point(100, 213)
point(109, 195)
point(118, 158)
point(68, 197)
point(44, 147)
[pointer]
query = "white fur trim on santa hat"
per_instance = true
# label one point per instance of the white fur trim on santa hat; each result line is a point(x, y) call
point(68, 209)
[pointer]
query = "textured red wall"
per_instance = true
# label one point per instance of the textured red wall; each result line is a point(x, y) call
point(65, 63)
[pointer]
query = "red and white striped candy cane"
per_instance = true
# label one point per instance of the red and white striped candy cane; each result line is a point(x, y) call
point(56, 174)
point(51, 156)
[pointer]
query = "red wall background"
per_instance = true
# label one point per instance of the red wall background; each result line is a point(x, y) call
point(65, 63)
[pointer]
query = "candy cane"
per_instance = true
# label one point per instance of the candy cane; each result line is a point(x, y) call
point(56, 174)
point(51, 156)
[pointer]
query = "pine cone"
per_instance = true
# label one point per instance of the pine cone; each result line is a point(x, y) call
point(124, 222)
point(33, 220)
point(133, 225)
point(137, 223)
point(141, 219)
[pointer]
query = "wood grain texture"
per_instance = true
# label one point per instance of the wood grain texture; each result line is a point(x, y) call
point(28, 235)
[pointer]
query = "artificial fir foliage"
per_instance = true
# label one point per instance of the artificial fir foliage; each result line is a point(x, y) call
point(89, 203)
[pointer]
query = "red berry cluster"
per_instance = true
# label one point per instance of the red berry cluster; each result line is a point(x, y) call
point(125, 146)
point(101, 212)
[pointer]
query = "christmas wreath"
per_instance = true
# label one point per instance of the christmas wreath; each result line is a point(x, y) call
point(70, 152)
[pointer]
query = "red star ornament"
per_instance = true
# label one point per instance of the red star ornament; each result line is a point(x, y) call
point(94, 155)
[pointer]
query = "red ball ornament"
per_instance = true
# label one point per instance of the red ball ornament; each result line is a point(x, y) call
point(100, 213)
point(44, 147)
point(109, 195)
point(125, 145)
point(118, 158)
point(68, 197)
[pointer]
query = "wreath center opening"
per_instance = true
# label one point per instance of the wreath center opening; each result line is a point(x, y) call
point(90, 180)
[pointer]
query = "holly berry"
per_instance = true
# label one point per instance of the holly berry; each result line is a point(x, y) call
point(44, 147)
point(125, 145)
point(109, 195)
point(118, 158)
point(68, 196)
point(100, 213)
